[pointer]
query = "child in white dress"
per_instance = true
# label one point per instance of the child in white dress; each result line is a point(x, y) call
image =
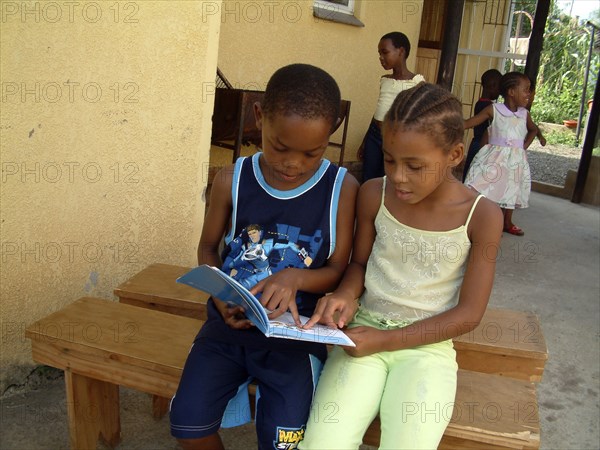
point(500, 170)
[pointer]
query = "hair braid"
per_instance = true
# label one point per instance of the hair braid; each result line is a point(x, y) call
point(509, 81)
point(429, 109)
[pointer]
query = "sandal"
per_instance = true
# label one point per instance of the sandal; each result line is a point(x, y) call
point(514, 230)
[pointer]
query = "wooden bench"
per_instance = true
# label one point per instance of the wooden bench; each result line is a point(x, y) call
point(101, 345)
point(508, 343)
point(155, 288)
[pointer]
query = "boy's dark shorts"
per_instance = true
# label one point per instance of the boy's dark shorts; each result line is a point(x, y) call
point(213, 373)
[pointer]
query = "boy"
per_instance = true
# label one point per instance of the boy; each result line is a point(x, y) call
point(304, 204)
point(490, 84)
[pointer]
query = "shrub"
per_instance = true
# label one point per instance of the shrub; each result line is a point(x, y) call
point(561, 137)
point(562, 69)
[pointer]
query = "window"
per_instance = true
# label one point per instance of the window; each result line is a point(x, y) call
point(337, 11)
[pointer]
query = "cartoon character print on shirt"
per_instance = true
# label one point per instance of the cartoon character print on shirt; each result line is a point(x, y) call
point(257, 253)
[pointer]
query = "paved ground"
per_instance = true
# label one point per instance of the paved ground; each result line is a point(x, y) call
point(552, 271)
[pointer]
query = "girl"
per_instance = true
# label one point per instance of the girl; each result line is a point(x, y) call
point(416, 229)
point(394, 49)
point(500, 170)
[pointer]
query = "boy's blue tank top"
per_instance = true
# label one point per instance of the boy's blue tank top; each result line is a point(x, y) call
point(272, 230)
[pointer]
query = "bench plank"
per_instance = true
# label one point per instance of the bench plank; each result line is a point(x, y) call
point(122, 344)
point(94, 342)
point(155, 288)
point(508, 343)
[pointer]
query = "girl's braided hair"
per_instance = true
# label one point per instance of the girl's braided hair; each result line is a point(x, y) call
point(430, 109)
point(511, 80)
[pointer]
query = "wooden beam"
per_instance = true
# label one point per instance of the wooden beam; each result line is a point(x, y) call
point(588, 146)
point(452, 25)
point(536, 40)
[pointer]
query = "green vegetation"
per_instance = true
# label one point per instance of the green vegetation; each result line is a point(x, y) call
point(562, 68)
point(560, 137)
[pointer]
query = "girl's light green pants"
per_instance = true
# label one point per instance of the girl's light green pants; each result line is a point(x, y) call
point(412, 390)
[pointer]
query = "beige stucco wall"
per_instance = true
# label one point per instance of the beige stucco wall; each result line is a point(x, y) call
point(105, 134)
point(258, 37)
point(477, 33)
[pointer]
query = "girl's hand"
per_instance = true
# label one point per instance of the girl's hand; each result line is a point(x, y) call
point(328, 306)
point(368, 340)
point(279, 293)
point(234, 316)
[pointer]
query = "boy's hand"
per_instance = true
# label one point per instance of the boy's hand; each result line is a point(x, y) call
point(368, 340)
point(278, 294)
point(328, 306)
point(234, 316)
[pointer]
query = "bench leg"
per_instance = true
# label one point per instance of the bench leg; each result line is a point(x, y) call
point(160, 406)
point(93, 408)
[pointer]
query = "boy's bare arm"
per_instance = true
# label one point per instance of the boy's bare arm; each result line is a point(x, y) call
point(330, 275)
point(217, 218)
point(280, 289)
point(215, 223)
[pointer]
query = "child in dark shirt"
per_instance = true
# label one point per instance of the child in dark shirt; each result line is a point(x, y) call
point(287, 219)
point(490, 84)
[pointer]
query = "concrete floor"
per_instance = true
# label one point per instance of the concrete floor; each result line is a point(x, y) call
point(553, 271)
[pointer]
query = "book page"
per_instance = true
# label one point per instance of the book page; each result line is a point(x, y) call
point(285, 327)
point(220, 285)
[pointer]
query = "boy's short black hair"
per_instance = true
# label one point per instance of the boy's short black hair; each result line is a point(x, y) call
point(489, 76)
point(304, 90)
point(399, 40)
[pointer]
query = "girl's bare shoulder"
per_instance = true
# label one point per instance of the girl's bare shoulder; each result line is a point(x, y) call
point(370, 195)
point(486, 216)
point(371, 187)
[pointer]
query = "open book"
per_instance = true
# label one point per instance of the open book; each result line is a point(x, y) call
point(220, 285)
